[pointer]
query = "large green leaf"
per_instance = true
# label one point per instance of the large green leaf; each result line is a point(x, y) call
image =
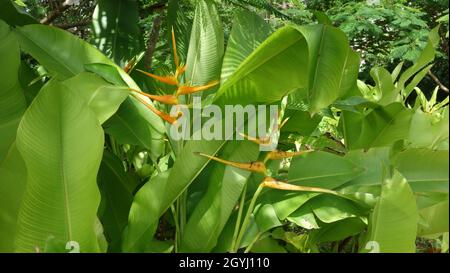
point(277, 67)
point(213, 210)
point(309, 170)
point(12, 99)
point(425, 170)
point(61, 197)
point(393, 223)
point(248, 32)
point(13, 176)
point(206, 47)
point(62, 53)
point(333, 65)
point(66, 55)
point(380, 127)
point(116, 30)
point(12, 167)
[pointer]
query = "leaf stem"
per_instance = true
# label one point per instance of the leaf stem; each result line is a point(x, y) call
point(247, 216)
point(238, 221)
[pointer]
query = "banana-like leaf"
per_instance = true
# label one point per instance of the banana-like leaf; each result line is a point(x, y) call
point(61, 197)
point(310, 170)
point(12, 99)
point(393, 223)
point(116, 30)
point(380, 127)
point(213, 210)
point(248, 32)
point(13, 177)
point(55, 50)
point(206, 46)
point(333, 65)
point(12, 167)
point(426, 170)
point(277, 67)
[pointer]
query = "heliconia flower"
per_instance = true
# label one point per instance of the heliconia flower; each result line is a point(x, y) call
point(170, 80)
point(257, 167)
point(166, 99)
point(275, 155)
point(164, 116)
point(186, 89)
point(270, 182)
point(259, 141)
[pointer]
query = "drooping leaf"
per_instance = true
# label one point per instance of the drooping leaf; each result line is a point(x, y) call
point(270, 72)
point(55, 50)
point(333, 65)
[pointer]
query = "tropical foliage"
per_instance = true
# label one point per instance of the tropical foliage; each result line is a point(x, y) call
point(86, 157)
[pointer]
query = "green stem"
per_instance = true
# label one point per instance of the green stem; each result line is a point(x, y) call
point(238, 221)
point(177, 227)
point(247, 216)
point(249, 247)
